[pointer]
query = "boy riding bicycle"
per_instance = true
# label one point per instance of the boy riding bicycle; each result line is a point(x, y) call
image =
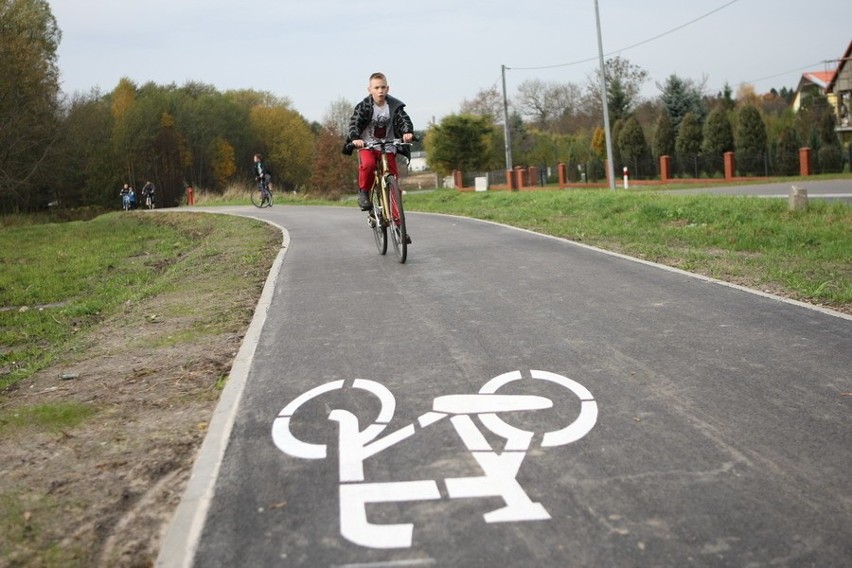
point(377, 117)
point(261, 172)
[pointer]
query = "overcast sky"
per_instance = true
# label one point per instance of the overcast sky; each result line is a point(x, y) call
point(437, 53)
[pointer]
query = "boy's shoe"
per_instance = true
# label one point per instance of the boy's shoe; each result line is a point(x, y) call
point(364, 201)
point(407, 239)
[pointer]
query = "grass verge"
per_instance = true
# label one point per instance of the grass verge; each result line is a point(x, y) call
point(752, 241)
point(141, 314)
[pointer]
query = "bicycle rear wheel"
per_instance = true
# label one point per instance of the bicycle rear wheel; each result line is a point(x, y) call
point(397, 220)
point(380, 230)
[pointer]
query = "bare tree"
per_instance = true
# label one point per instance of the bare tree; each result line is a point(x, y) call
point(624, 82)
point(546, 103)
point(336, 118)
point(488, 103)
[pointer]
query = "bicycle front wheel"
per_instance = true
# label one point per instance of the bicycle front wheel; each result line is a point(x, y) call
point(376, 220)
point(397, 220)
point(257, 197)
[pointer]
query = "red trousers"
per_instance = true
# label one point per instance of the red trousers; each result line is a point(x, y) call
point(367, 165)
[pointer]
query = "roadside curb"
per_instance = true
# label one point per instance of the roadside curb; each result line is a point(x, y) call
point(181, 538)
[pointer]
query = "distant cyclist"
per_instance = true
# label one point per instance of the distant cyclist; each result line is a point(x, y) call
point(261, 172)
point(148, 193)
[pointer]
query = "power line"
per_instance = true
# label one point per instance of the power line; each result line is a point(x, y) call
point(656, 37)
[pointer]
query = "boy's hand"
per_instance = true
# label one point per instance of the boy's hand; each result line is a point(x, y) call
point(358, 143)
point(407, 137)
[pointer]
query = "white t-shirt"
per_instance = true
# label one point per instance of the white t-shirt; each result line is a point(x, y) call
point(380, 126)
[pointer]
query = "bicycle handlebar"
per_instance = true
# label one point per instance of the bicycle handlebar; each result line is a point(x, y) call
point(386, 141)
point(378, 144)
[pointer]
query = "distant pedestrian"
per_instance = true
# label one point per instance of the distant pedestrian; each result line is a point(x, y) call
point(124, 193)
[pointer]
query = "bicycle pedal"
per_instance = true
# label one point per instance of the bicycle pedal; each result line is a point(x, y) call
point(371, 221)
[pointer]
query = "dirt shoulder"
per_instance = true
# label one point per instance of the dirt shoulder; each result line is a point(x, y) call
point(102, 493)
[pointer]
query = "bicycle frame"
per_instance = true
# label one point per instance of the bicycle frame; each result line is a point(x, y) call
point(381, 182)
point(387, 211)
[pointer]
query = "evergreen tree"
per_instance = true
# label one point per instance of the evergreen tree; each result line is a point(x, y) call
point(616, 151)
point(728, 102)
point(751, 141)
point(633, 148)
point(664, 137)
point(830, 154)
point(787, 152)
point(718, 139)
point(688, 144)
point(680, 97)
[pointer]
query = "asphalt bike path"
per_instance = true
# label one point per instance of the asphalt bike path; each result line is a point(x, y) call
point(510, 399)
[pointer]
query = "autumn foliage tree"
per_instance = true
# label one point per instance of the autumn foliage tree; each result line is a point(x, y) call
point(333, 174)
point(29, 101)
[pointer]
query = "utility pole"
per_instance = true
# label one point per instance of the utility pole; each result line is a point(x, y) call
point(506, 136)
point(610, 165)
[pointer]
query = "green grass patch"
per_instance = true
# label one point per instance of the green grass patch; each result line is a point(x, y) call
point(53, 417)
point(57, 280)
point(750, 240)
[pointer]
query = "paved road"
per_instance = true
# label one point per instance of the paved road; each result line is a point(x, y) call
point(510, 399)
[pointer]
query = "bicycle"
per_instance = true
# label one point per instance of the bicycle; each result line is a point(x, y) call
point(149, 201)
point(470, 414)
point(125, 201)
point(386, 199)
point(261, 196)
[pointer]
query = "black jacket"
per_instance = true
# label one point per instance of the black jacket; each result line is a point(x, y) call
point(363, 114)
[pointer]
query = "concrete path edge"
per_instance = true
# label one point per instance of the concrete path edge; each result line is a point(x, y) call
point(181, 539)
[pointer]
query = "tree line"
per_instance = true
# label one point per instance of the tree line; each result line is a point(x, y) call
point(78, 150)
point(553, 122)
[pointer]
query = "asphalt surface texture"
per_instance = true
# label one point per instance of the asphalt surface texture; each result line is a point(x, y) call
point(510, 399)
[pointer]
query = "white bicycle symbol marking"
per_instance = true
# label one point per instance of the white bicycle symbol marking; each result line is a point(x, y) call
point(500, 469)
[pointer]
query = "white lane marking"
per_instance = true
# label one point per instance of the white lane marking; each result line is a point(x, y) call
point(499, 468)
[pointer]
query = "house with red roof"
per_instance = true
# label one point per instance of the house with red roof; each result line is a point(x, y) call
point(840, 88)
point(812, 83)
point(836, 86)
